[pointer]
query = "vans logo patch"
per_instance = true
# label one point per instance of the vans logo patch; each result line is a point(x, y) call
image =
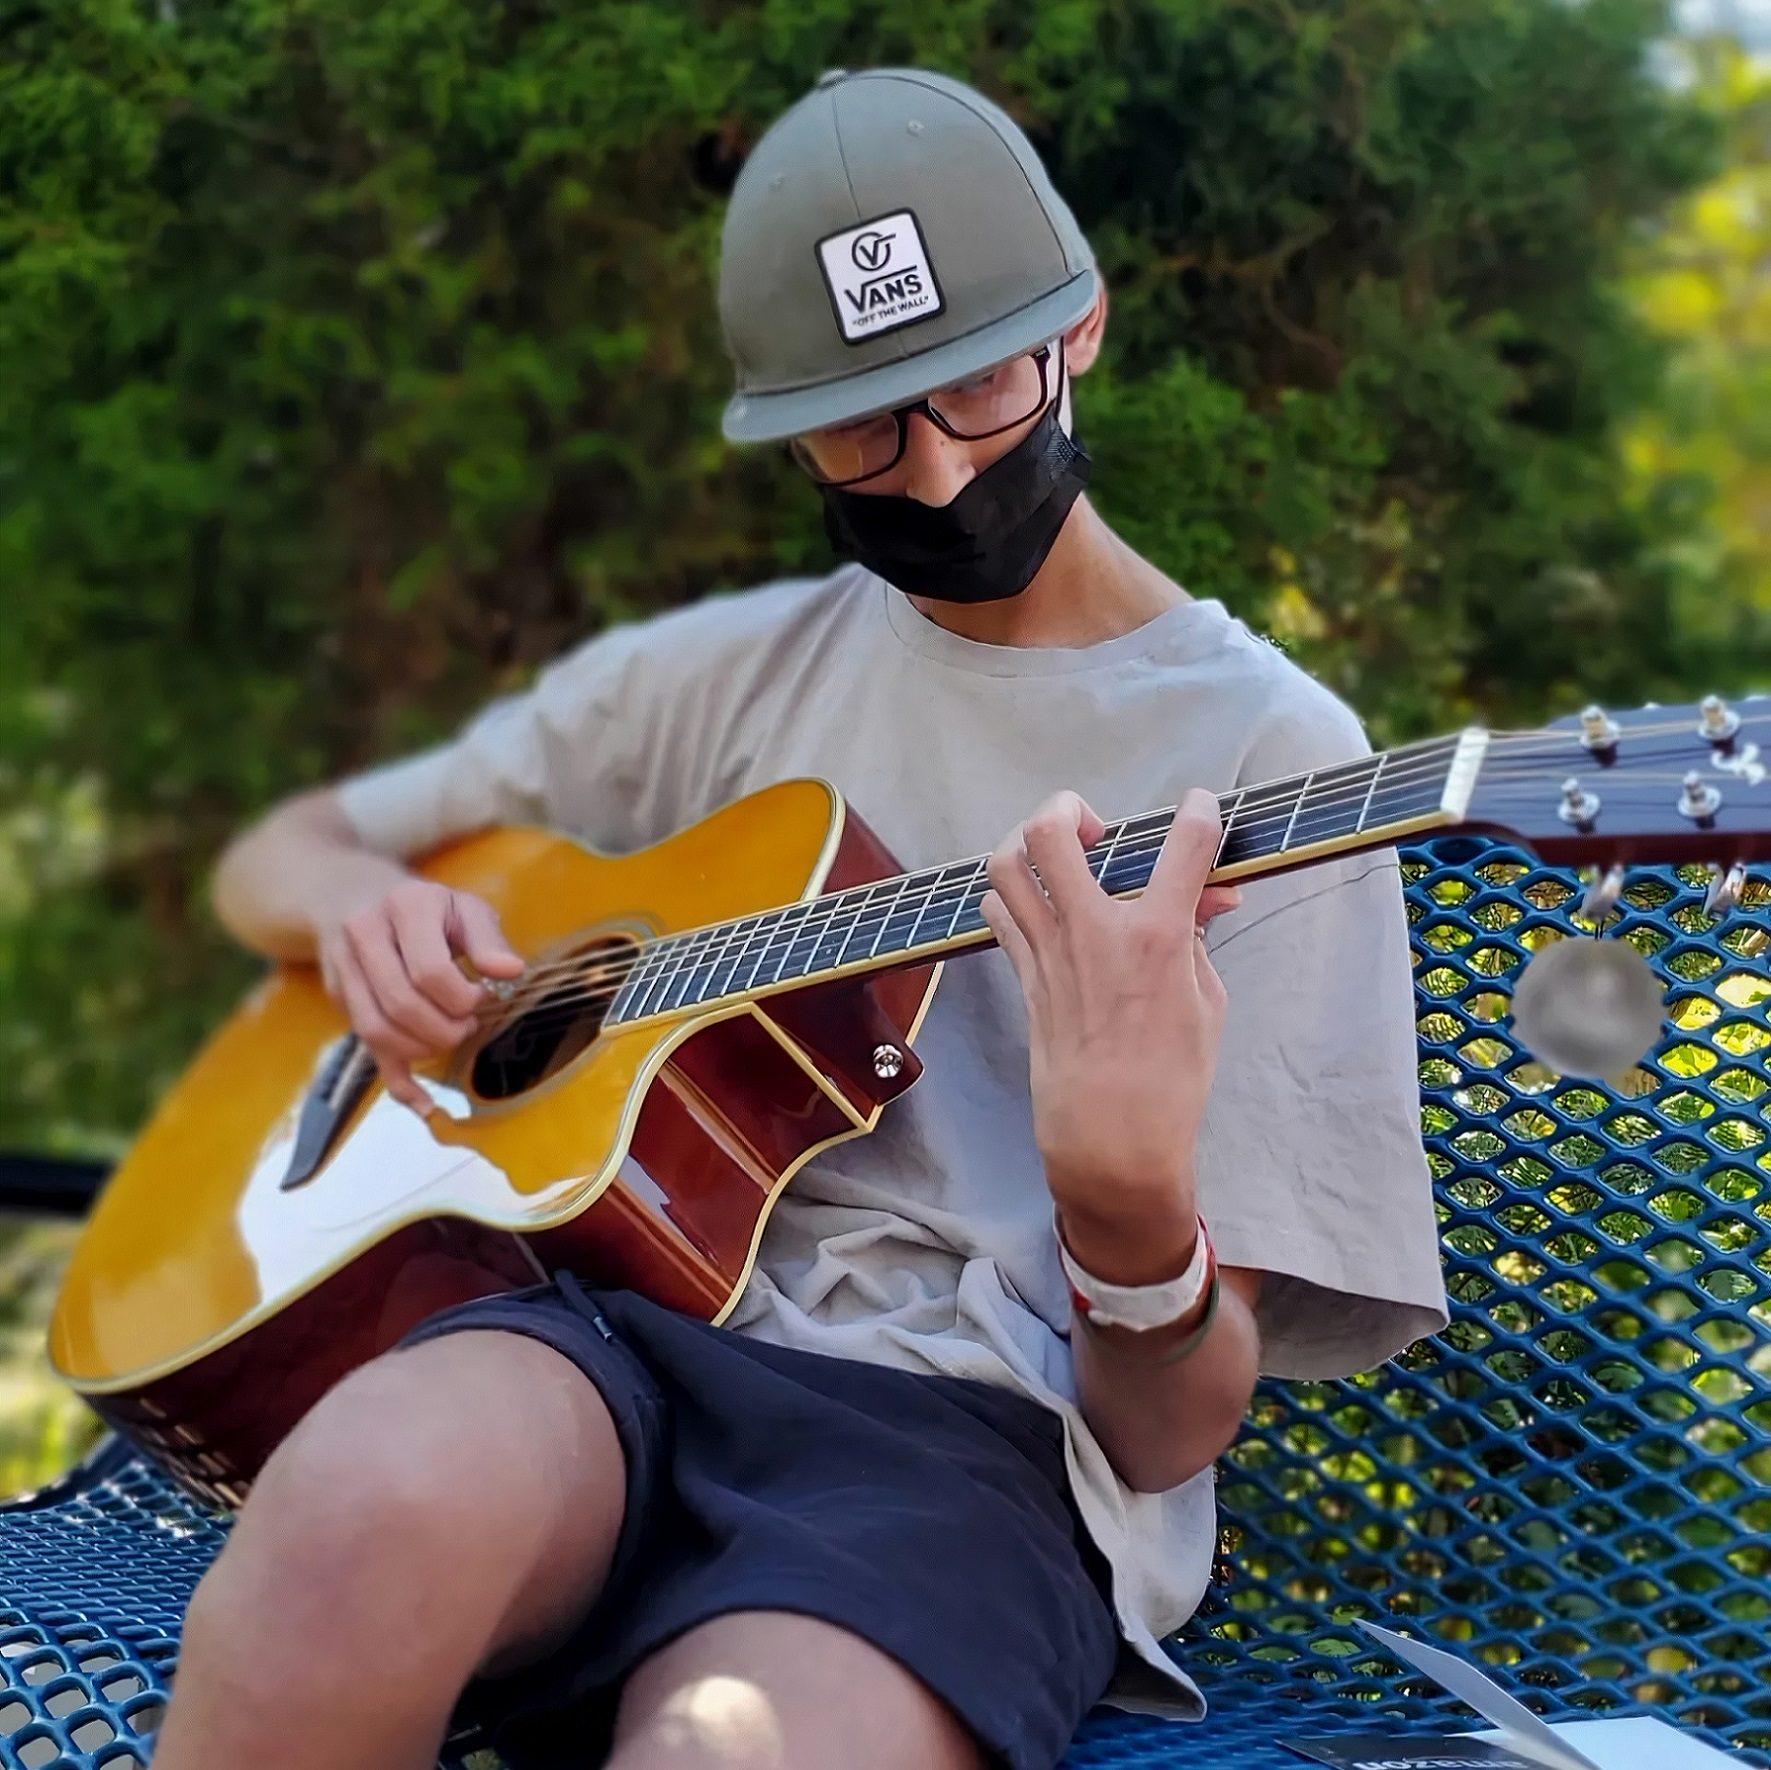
point(879, 276)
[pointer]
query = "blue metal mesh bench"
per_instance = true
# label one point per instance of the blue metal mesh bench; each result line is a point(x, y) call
point(1570, 1485)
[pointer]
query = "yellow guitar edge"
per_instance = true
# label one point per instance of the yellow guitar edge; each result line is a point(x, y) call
point(594, 1189)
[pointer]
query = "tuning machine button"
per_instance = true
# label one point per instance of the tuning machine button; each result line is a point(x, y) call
point(1578, 807)
point(1725, 889)
point(1699, 801)
point(1602, 895)
point(1721, 724)
point(1599, 733)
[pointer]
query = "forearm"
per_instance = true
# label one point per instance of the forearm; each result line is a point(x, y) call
point(299, 869)
point(1161, 1423)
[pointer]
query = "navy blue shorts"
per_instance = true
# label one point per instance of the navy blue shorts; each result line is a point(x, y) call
point(929, 1515)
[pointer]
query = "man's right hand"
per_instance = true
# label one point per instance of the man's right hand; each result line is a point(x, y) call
point(391, 964)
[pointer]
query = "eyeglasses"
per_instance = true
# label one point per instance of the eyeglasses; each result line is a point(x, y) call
point(987, 405)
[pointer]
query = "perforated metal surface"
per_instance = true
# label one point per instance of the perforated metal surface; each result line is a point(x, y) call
point(94, 1578)
point(1571, 1485)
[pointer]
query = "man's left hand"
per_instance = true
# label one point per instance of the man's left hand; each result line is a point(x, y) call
point(1124, 1014)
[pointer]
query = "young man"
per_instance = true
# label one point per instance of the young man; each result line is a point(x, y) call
point(946, 1475)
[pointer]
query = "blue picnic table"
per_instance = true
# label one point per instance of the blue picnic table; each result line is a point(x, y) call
point(1570, 1486)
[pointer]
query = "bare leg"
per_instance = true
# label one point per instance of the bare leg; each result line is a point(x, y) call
point(766, 1690)
point(447, 1507)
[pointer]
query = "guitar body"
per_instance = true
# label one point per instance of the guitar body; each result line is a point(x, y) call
point(210, 1303)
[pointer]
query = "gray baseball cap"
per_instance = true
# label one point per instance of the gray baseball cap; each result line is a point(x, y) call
point(892, 233)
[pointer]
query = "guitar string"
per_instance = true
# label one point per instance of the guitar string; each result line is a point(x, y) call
point(797, 934)
point(1245, 817)
point(1278, 795)
point(942, 892)
point(937, 885)
point(1129, 841)
point(862, 909)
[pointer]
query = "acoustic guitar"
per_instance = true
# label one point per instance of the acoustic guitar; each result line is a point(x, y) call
point(696, 1021)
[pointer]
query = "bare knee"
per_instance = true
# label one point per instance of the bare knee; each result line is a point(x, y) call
point(474, 1482)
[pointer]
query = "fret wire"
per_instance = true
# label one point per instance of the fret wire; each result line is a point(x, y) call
point(648, 998)
point(899, 941)
point(792, 929)
point(801, 954)
point(624, 995)
point(970, 896)
point(696, 957)
point(1130, 860)
point(1370, 788)
point(683, 967)
point(667, 971)
point(765, 929)
point(687, 960)
point(728, 945)
point(725, 969)
point(1296, 807)
point(829, 929)
point(768, 927)
point(934, 897)
point(859, 924)
point(855, 923)
point(1335, 790)
point(836, 930)
point(669, 975)
point(788, 923)
point(1114, 837)
point(879, 932)
point(1229, 821)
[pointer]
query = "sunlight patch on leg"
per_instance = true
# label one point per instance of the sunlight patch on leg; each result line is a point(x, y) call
point(731, 1720)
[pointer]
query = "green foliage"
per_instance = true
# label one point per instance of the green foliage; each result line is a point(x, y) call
point(355, 358)
point(42, 1427)
point(1704, 449)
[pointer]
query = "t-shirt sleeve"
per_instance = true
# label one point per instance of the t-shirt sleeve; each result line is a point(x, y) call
point(1310, 1162)
point(608, 745)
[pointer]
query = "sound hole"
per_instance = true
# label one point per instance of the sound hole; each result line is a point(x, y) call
point(549, 1032)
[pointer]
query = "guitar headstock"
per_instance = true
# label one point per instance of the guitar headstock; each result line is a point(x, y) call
point(1677, 783)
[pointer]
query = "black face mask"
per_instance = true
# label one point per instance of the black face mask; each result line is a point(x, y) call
point(986, 544)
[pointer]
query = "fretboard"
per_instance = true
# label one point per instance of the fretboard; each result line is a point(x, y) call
point(1267, 828)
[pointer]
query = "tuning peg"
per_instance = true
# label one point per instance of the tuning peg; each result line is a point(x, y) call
point(1700, 801)
point(1721, 724)
point(1725, 889)
point(1578, 807)
point(1602, 895)
point(1600, 732)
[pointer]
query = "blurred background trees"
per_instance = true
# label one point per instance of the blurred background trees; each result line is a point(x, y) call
point(355, 359)
point(352, 361)
point(1700, 453)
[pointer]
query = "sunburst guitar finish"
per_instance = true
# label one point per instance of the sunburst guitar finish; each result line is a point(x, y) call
point(210, 1303)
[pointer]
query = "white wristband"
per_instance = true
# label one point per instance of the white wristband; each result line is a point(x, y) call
point(1139, 1307)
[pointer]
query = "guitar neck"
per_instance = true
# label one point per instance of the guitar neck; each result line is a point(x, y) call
point(918, 917)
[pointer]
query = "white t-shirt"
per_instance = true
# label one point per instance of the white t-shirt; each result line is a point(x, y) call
point(928, 1244)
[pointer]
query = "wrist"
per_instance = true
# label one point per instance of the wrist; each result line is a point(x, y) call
point(1131, 1241)
point(1150, 1304)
